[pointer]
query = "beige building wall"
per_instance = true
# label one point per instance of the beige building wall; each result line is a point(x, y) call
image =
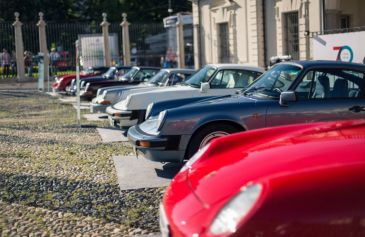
point(335, 9)
point(309, 19)
point(257, 27)
point(245, 30)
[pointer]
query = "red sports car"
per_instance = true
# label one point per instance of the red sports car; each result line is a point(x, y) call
point(62, 82)
point(301, 180)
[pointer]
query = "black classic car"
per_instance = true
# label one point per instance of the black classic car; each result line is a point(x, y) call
point(134, 76)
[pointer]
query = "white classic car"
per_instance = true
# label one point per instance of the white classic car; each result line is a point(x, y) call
point(211, 80)
point(111, 95)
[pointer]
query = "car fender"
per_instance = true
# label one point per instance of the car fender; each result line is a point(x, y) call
point(219, 118)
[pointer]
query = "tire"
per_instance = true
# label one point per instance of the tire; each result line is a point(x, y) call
point(207, 134)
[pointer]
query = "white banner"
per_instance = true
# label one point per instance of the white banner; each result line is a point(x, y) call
point(92, 53)
point(347, 47)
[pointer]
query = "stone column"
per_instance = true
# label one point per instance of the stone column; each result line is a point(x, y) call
point(196, 34)
point(19, 49)
point(105, 28)
point(126, 46)
point(43, 45)
point(180, 42)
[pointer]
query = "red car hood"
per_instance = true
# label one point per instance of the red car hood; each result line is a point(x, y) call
point(233, 161)
point(280, 150)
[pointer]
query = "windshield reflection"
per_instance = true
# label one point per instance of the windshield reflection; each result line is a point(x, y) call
point(129, 74)
point(274, 81)
point(110, 72)
point(159, 77)
point(202, 75)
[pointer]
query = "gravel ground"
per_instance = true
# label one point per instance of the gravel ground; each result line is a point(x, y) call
point(57, 179)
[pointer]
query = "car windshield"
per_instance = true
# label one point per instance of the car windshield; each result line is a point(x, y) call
point(89, 70)
point(203, 75)
point(274, 81)
point(110, 72)
point(159, 77)
point(129, 74)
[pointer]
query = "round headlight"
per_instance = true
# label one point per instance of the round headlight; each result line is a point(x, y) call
point(235, 210)
point(148, 110)
point(127, 101)
point(161, 119)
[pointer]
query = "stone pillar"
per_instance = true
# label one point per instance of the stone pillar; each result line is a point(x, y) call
point(196, 34)
point(43, 45)
point(105, 28)
point(180, 42)
point(126, 46)
point(19, 49)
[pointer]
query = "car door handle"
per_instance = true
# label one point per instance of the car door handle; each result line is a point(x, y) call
point(357, 109)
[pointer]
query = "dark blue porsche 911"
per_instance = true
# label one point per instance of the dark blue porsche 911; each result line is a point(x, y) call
point(290, 92)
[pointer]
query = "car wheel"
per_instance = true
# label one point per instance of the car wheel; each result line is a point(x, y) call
point(206, 135)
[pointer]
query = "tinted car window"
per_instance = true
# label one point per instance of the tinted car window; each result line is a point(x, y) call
point(273, 82)
point(233, 79)
point(129, 74)
point(203, 75)
point(159, 77)
point(332, 83)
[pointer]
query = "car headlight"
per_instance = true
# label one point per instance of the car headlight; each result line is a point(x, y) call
point(194, 158)
point(127, 101)
point(235, 210)
point(154, 124)
point(87, 86)
point(98, 92)
point(148, 110)
point(161, 119)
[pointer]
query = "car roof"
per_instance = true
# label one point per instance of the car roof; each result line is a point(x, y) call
point(147, 67)
point(178, 70)
point(237, 66)
point(326, 63)
point(123, 67)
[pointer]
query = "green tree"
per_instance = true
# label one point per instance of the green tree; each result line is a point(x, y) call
point(91, 10)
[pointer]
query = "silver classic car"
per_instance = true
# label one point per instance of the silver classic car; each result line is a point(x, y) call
point(211, 80)
point(165, 77)
point(291, 92)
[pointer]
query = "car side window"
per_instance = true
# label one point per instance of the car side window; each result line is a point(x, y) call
point(331, 84)
point(175, 78)
point(232, 79)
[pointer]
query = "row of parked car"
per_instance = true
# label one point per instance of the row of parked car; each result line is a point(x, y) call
point(294, 165)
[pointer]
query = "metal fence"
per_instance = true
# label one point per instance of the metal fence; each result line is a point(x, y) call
point(338, 31)
point(148, 42)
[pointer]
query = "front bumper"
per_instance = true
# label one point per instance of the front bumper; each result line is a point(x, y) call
point(98, 108)
point(120, 118)
point(157, 148)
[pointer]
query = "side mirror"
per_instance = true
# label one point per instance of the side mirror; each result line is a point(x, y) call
point(204, 87)
point(287, 96)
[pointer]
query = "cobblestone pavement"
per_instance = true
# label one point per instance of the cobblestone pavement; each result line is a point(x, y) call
point(57, 179)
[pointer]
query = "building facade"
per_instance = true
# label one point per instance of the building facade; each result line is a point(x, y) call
point(252, 31)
